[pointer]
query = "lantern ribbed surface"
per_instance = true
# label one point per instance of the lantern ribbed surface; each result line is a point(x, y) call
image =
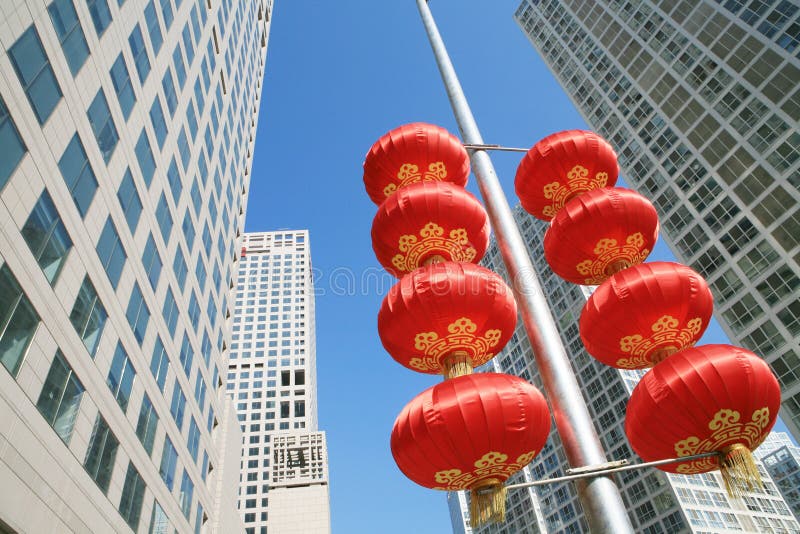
point(470, 431)
point(702, 399)
point(446, 309)
point(429, 220)
point(644, 313)
point(412, 153)
point(600, 232)
point(561, 166)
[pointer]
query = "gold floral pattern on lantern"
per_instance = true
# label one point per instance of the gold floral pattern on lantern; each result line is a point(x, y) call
point(414, 250)
point(492, 465)
point(666, 333)
point(578, 180)
point(726, 429)
point(461, 337)
point(609, 251)
point(409, 173)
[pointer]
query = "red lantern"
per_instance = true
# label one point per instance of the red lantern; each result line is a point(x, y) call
point(599, 233)
point(429, 221)
point(561, 166)
point(641, 315)
point(416, 152)
point(471, 432)
point(705, 399)
point(447, 318)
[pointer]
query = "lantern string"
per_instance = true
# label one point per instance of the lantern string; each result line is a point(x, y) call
point(500, 148)
point(601, 470)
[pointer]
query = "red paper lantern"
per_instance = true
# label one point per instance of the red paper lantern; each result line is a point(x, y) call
point(416, 152)
point(643, 314)
point(561, 166)
point(599, 233)
point(429, 221)
point(471, 432)
point(447, 318)
point(705, 399)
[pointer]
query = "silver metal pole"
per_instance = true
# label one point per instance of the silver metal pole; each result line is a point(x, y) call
point(600, 496)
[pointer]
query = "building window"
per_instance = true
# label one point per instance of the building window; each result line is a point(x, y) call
point(35, 74)
point(178, 404)
point(60, 397)
point(159, 124)
point(147, 424)
point(103, 125)
point(129, 201)
point(159, 522)
point(139, 54)
point(88, 316)
point(159, 365)
point(101, 15)
point(18, 321)
point(187, 44)
point(130, 504)
point(120, 377)
point(166, 12)
point(70, 35)
point(169, 459)
point(111, 252)
point(184, 149)
point(186, 355)
point(47, 237)
point(102, 452)
point(152, 262)
point(164, 218)
point(174, 179)
point(121, 79)
point(180, 66)
point(13, 147)
point(78, 174)
point(186, 494)
point(137, 313)
point(188, 229)
point(153, 28)
point(144, 155)
point(180, 268)
point(169, 92)
point(193, 439)
point(170, 312)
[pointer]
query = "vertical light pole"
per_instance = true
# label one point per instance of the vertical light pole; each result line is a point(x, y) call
point(600, 496)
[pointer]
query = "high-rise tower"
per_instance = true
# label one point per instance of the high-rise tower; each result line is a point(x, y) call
point(273, 379)
point(701, 101)
point(126, 134)
point(656, 501)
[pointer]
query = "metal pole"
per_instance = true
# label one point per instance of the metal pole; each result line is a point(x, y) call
point(600, 496)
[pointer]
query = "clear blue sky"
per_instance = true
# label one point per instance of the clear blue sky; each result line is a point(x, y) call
point(339, 74)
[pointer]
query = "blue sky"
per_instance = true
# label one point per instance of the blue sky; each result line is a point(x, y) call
point(340, 74)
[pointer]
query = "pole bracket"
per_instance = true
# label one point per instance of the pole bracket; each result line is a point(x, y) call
point(598, 467)
point(472, 146)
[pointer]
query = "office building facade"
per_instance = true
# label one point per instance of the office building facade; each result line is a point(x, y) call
point(126, 132)
point(272, 379)
point(781, 457)
point(700, 99)
point(657, 502)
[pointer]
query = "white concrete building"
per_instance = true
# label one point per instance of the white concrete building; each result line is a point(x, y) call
point(657, 502)
point(781, 457)
point(126, 134)
point(272, 376)
point(701, 101)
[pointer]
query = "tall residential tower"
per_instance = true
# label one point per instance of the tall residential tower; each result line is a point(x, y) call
point(272, 375)
point(126, 134)
point(701, 99)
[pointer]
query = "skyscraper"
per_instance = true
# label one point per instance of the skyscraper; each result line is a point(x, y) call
point(273, 379)
point(126, 134)
point(781, 457)
point(700, 99)
point(656, 501)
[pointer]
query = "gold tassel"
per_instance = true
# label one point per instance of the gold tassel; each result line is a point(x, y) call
point(456, 364)
point(739, 471)
point(487, 503)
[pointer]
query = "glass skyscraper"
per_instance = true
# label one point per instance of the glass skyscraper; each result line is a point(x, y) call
point(126, 136)
point(272, 376)
point(701, 99)
point(657, 502)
